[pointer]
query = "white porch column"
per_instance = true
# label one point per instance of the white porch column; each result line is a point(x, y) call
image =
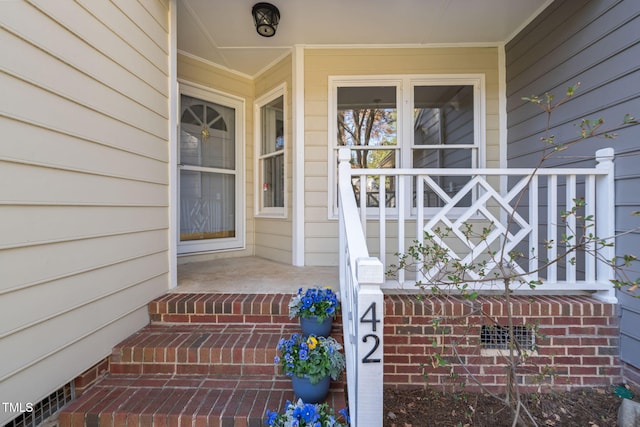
point(297, 190)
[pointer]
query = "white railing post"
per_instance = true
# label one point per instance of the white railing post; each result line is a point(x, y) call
point(570, 227)
point(552, 227)
point(605, 222)
point(370, 344)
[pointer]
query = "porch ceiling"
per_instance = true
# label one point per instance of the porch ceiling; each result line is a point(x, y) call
point(222, 31)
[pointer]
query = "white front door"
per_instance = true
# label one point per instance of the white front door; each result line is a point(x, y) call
point(210, 182)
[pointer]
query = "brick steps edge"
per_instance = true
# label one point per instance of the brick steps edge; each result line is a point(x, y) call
point(241, 349)
point(191, 400)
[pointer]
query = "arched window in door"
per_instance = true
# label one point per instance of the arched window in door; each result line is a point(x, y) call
point(208, 176)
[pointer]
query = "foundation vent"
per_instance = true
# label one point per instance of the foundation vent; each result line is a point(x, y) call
point(496, 337)
point(35, 414)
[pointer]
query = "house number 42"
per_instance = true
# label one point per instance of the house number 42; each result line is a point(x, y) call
point(369, 316)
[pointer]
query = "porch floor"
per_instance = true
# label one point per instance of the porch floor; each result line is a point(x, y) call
point(251, 275)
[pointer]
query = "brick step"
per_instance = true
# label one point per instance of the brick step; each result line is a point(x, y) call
point(221, 308)
point(205, 360)
point(183, 349)
point(187, 400)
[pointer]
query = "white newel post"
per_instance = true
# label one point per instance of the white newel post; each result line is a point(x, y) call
point(605, 222)
point(370, 344)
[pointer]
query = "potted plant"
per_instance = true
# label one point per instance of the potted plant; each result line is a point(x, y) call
point(306, 415)
point(311, 362)
point(316, 308)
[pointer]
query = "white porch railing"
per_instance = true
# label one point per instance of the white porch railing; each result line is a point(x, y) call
point(490, 196)
point(362, 312)
point(483, 196)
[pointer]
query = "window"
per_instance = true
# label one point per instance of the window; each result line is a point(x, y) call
point(367, 123)
point(406, 122)
point(443, 135)
point(270, 144)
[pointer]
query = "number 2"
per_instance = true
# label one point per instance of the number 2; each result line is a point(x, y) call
point(367, 358)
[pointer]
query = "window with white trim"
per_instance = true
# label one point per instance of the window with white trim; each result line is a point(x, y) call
point(270, 142)
point(406, 122)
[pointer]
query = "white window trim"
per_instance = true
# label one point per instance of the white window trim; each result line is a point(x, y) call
point(405, 85)
point(186, 248)
point(259, 210)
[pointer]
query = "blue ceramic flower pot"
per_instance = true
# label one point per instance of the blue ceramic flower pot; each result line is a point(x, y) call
point(310, 393)
point(311, 326)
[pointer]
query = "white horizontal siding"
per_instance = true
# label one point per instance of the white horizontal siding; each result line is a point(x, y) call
point(42, 185)
point(35, 343)
point(104, 37)
point(320, 258)
point(70, 83)
point(29, 383)
point(38, 146)
point(315, 199)
point(117, 17)
point(66, 116)
point(57, 260)
point(84, 171)
point(273, 241)
point(117, 278)
point(44, 33)
point(51, 224)
point(151, 17)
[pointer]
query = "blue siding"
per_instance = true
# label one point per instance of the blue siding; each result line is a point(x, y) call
point(596, 43)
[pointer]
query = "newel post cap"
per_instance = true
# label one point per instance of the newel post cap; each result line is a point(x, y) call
point(605, 155)
point(344, 154)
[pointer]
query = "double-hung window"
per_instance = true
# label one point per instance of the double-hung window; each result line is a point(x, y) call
point(270, 146)
point(406, 122)
point(367, 123)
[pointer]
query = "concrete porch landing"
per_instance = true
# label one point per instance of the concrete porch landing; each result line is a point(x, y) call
point(251, 275)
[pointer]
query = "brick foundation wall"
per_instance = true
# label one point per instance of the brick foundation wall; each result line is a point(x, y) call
point(577, 342)
point(90, 376)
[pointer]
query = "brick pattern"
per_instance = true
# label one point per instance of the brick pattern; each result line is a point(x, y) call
point(233, 349)
point(205, 360)
point(222, 308)
point(578, 341)
point(91, 376)
point(167, 400)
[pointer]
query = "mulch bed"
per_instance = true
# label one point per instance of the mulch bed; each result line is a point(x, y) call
point(429, 408)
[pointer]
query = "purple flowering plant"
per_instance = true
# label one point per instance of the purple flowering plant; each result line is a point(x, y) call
point(309, 356)
point(302, 414)
point(319, 302)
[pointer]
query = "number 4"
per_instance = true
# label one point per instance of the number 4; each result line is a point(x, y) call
point(373, 320)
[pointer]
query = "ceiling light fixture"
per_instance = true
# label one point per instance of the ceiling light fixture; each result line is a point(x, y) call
point(266, 17)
